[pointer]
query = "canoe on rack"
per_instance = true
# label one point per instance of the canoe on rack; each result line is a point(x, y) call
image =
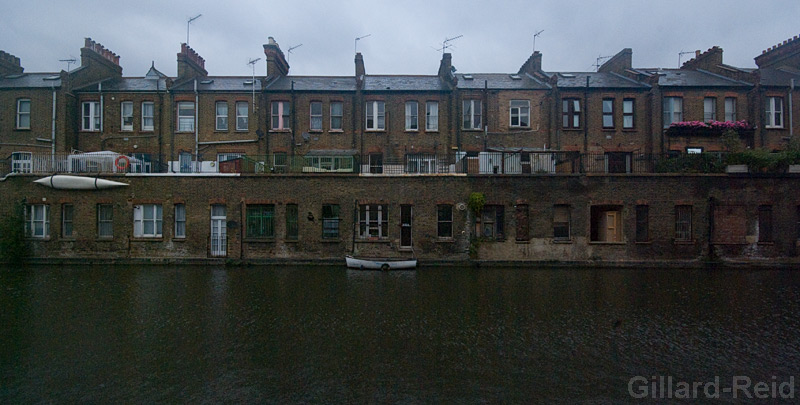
point(380, 264)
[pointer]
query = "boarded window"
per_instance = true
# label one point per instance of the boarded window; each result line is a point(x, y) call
point(606, 224)
point(683, 223)
point(490, 222)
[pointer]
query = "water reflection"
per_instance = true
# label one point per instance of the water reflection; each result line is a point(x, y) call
point(159, 334)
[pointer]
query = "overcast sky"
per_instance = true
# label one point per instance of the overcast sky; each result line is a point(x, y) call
point(497, 36)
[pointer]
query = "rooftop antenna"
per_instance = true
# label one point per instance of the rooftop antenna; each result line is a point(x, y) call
point(534, 39)
point(252, 63)
point(680, 54)
point(189, 21)
point(600, 59)
point(69, 61)
point(446, 43)
point(355, 47)
point(289, 51)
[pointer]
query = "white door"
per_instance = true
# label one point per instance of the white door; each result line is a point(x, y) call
point(218, 231)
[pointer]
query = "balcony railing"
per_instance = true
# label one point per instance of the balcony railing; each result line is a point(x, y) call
point(478, 163)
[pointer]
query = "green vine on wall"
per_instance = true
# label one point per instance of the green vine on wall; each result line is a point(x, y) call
point(476, 203)
point(13, 246)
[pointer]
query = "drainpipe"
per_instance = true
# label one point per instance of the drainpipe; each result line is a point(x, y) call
point(196, 140)
point(484, 111)
point(53, 132)
point(293, 109)
point(791, 123)
point(102, 110)
point(586, 117)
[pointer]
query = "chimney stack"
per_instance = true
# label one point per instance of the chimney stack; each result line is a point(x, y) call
point(276, 61)
point(190, 64)
point(95, 55)
point(618, 63)
point(9, 64)
point(532, 66)
point(360, 71)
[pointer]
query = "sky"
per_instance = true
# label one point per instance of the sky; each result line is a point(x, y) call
point(495, 36)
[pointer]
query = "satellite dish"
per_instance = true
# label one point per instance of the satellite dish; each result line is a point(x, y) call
point(461, 206)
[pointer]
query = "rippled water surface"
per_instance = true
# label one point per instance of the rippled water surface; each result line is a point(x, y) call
point(326, 334)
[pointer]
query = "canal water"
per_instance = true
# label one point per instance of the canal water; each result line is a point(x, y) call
point(437, 335)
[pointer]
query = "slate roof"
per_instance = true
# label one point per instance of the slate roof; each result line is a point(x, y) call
point(695, 78)
point(220, 84)
point(779, 76)
point(128, 84)
point(500, 81)
point(597, 80)
point(403, 83)
point(30, 80)
point(313, 83)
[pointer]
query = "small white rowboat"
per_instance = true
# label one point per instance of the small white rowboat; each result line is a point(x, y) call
point(66, 182)
point(380, 264)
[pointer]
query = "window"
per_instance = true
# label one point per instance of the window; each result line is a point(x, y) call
point(628, 108)
point(67, 214)
point(432, 116)
point(523, 222)
point(147, 221)
point(336, 115)
point(608, 113)
point(291, 222)
point(126, 112)
point(316, 116)
point(490, 222)
point(105, 220)
point(683, 223)
point(730, 109)
point(280, 115)
point(330, 221)
point(709, 109)
point(147, 115)
point(561, 222)
point(376, 115)
point(571, 113)
point(279, 163)
point(520, 113)
point(774, 112)
point(694, 150)
point(222, 116)
point(673, 110)
point(618, 162)
point(471, 114)
point(24, 113)
point(180, 220)
point(765, 223)
point(606, 224)
point(185, 116)
point(376, 163)
point(373, 221)
point(242, 113)
point(37, 221)
point(261, 221)
point(642, 223)
point(91, 116)
point(444, 220)
point(412, 116)
point(22, 162)
point(185, 162)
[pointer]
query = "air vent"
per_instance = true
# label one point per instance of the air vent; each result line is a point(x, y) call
point(54, 77)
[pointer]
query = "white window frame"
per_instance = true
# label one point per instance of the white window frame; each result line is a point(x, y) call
point(67, 220)
point(101, 233)
point(709, 109)
point(376, 115)
point(280, 113)
point(180, 220)
point(242, 117)
point(339, 115)
point(432, 116)
point(373, 228)
point(774, 112)
point(186, 121)
point(628, 114)
point(730, 109)
point(471, 114)
point(521, 110)
point(221, 117)
point(147, 216)
point(22, 162)
point(673, 110)
point(148, 116)
point(315, 117)
point(412, 115)
point(123, 114)
point(423, 163)
point(23, 114)
point(37, 214)
point(608, 113)
point(90, 114)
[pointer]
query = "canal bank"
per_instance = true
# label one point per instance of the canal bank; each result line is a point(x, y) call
point(555, 220)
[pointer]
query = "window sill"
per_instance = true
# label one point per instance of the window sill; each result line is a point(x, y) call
point(600, 242)
point(22, 129)
point(292, 241)
point(184, 132)
point(646, 242)
point(330, 240)
point(683, 242)
point(629, 130)
point(431, 131)
point(411, 131)
point(104, 239)
point(375, 130)
point(147, 239)
point(572, 129)
point(242, 131)
point(179, 239)
point(522, 242)
point(280, 130)
point(68, 239)
point(563, 241)
point(384, 240)
point(770, 243)
point(519, 128)
point(445, 240)
point(609, 129)
point(34, 238)
point(766, 127)
point(221, 131)
point(147, 131)
point(472, 129)
point(336, 131)
point(314, 131)
point(259, 240)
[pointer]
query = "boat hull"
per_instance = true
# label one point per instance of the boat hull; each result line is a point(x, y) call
point(67, 182)
point(380, 264)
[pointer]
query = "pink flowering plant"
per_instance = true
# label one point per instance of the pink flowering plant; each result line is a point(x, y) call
point(713, 127)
